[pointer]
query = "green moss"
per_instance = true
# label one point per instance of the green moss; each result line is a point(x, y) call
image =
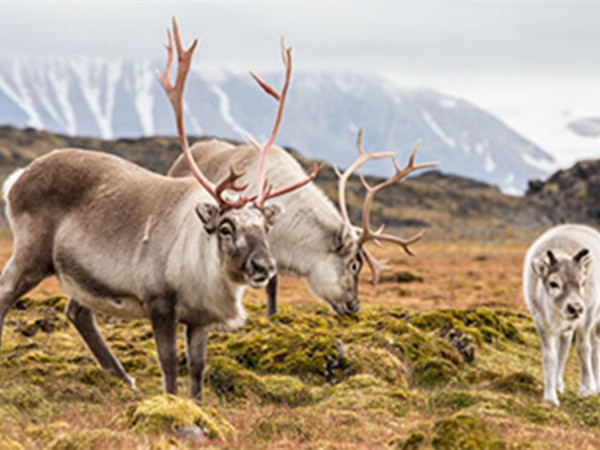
point(286, 390)
point(24, 400)
point(518, 382)
point(232, 382)
point(310, 350)
point(454, 400)
point(414, 441)
point(378, 362)
point(585, 410)
point(165, 413)
point(368, 394)
point(463, 431)
point(434, 372)
point(490, 325)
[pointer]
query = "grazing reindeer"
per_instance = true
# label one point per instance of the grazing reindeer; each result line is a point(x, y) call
point(312, 239)
point(131, 243)
point(560, 283)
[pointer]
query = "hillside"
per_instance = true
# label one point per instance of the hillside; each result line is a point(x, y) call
point(449, 206)
point(570, 195)
point(116, 98)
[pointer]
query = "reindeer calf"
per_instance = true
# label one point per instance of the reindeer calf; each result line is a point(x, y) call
point(560, 283)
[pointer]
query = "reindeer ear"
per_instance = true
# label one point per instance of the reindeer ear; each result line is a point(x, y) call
point(583, 258)
point(208, 213)
point(343, 240)
point(541, 267)
point(271, 212)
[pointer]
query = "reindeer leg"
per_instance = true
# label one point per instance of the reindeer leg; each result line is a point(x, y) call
point(564, 343)
point(164, 326)
point(15, 281)
point(83, 320)
point(587, 382)
point(196, 340)
point(271, 291)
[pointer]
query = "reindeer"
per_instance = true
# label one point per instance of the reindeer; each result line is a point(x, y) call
point(312, 238)
point(560, 285)
point(130, 243)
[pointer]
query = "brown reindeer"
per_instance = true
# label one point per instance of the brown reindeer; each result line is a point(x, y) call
point(127, 242)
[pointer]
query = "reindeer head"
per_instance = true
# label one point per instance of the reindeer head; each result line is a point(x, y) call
point(563, 279)
point(240, 224)
point(242, 240)
point(334, 273)
point(335, 277)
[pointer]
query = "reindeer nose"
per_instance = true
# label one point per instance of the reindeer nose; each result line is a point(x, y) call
point(574, 310)
point(353, 305)
point(261, 268)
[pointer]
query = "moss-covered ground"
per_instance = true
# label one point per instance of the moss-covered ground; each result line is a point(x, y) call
point(447, 360)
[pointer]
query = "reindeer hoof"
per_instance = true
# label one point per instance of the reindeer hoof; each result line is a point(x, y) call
point(131, 382)
point(552, 399)
point(586, 392)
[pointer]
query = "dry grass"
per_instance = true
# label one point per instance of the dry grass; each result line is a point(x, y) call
point(398, 381)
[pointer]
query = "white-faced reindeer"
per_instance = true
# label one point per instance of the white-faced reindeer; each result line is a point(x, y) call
point(127, 242)
point(311, 239)
point(560, 281)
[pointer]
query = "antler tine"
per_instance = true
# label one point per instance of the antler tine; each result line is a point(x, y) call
point(175, 94)
point(269, 193)
point(376, 266)
point(266, 191)
point(361, 159)
point(368, 234)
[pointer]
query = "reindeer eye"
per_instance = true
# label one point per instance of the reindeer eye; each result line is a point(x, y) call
point(553, 285)
point(225, 230)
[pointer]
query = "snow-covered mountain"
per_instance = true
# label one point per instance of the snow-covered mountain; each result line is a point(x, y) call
point(115, 98)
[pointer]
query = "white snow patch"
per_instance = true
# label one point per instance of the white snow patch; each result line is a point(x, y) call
point(225, 110)
point(490, 165)
point(212, 74)
point(437, 130)
point(481, 146)
point(447, 103)
point(21, 95)
point(143, 81)
point(59, 81)
point(541, 164)
point(88, 72)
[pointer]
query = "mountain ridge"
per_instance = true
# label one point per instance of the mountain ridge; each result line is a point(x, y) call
point(449, 206)
point(120, 98)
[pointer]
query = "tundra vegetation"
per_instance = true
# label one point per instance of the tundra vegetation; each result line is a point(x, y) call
point(447, 357)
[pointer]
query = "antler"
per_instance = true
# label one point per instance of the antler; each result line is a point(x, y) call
point(175, 94)
point(266, 191)
point(367, 233)
point(362, 158)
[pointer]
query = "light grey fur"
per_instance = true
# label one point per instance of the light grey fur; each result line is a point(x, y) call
point(131, 243)
point(310, 239)
point(561, 291)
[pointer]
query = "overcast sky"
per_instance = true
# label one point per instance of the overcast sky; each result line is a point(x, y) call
point(513, 58)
